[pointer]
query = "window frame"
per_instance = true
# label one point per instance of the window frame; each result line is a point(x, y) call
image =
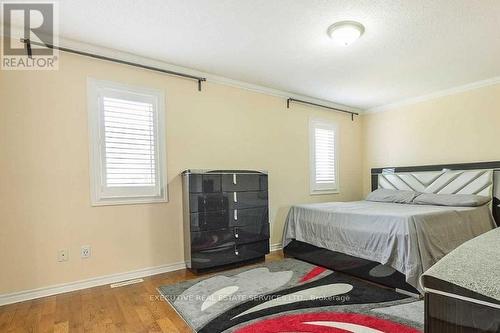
point(315, 188)
point(101, 194)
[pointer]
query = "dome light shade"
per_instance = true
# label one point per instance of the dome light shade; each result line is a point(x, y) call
point(346, 32)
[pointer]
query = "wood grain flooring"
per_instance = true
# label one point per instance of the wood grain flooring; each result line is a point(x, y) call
point(132, 308)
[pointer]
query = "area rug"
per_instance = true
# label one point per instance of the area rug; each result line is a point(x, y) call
point(290, 296)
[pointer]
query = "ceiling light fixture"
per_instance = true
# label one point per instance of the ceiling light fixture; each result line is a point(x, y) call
point(346, 32)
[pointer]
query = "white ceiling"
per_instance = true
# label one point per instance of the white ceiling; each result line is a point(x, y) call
point(410, 47)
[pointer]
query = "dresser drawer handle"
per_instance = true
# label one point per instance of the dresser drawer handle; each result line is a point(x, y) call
point(234, 178)
point(236, 251)
point(236, 233)
point(235, 197)
point(236, 215)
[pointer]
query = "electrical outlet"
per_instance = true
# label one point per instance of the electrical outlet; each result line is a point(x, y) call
point(62, 255)
point(86, 251)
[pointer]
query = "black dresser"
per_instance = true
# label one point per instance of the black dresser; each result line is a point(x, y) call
point(226, 217)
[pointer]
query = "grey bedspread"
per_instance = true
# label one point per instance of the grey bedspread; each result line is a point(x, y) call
point(409, 238)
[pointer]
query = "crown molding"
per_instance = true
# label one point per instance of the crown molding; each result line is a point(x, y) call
point(126, 56)
point(435, 95)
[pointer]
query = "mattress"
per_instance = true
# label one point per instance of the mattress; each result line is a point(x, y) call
point(409, 238)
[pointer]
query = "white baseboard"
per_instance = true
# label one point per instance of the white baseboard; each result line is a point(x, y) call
point(87, 283)
point(275, 247)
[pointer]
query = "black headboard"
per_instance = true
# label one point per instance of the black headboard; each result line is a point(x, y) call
point(461, 166)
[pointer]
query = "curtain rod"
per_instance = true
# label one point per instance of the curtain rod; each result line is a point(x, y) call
point(123, 62)
point(321, 106)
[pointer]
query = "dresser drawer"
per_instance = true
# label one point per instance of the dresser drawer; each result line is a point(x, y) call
point(200, 202)
point(201, 240)
point(228, 254)
point(204, 240)
point(206, 183)
point(209, 220)
point(242, 200)
point(251, 233)
point(244, 182)
point(249, 216)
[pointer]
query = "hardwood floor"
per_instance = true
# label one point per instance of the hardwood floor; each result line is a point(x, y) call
point(133, 308)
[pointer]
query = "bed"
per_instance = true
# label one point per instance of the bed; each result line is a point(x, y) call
point(394, 243)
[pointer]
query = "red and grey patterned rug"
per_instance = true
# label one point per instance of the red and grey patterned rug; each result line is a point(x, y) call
point(292, 296)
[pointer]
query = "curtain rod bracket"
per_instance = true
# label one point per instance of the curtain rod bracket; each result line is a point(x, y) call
point(27, 46)
point(199, 82)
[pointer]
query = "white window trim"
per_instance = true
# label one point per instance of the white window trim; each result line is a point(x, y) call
point(96, 155)
point(313, 122)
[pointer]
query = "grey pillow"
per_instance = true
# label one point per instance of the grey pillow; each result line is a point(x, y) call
point(395, 196)
point(456, 200)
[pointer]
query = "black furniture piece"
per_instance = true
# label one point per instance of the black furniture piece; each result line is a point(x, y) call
point(226, 217)
point(450, 313)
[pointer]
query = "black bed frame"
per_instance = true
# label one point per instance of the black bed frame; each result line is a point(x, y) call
point(361, 267)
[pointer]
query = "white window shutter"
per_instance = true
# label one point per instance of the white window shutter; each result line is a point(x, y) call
point(324, 159)
point(127, 143)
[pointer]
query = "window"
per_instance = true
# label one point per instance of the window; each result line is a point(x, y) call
point(126, 127)
point(323, 157)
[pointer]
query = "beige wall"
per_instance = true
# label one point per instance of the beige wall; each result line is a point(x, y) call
point(464, 127)
point(44, 168)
